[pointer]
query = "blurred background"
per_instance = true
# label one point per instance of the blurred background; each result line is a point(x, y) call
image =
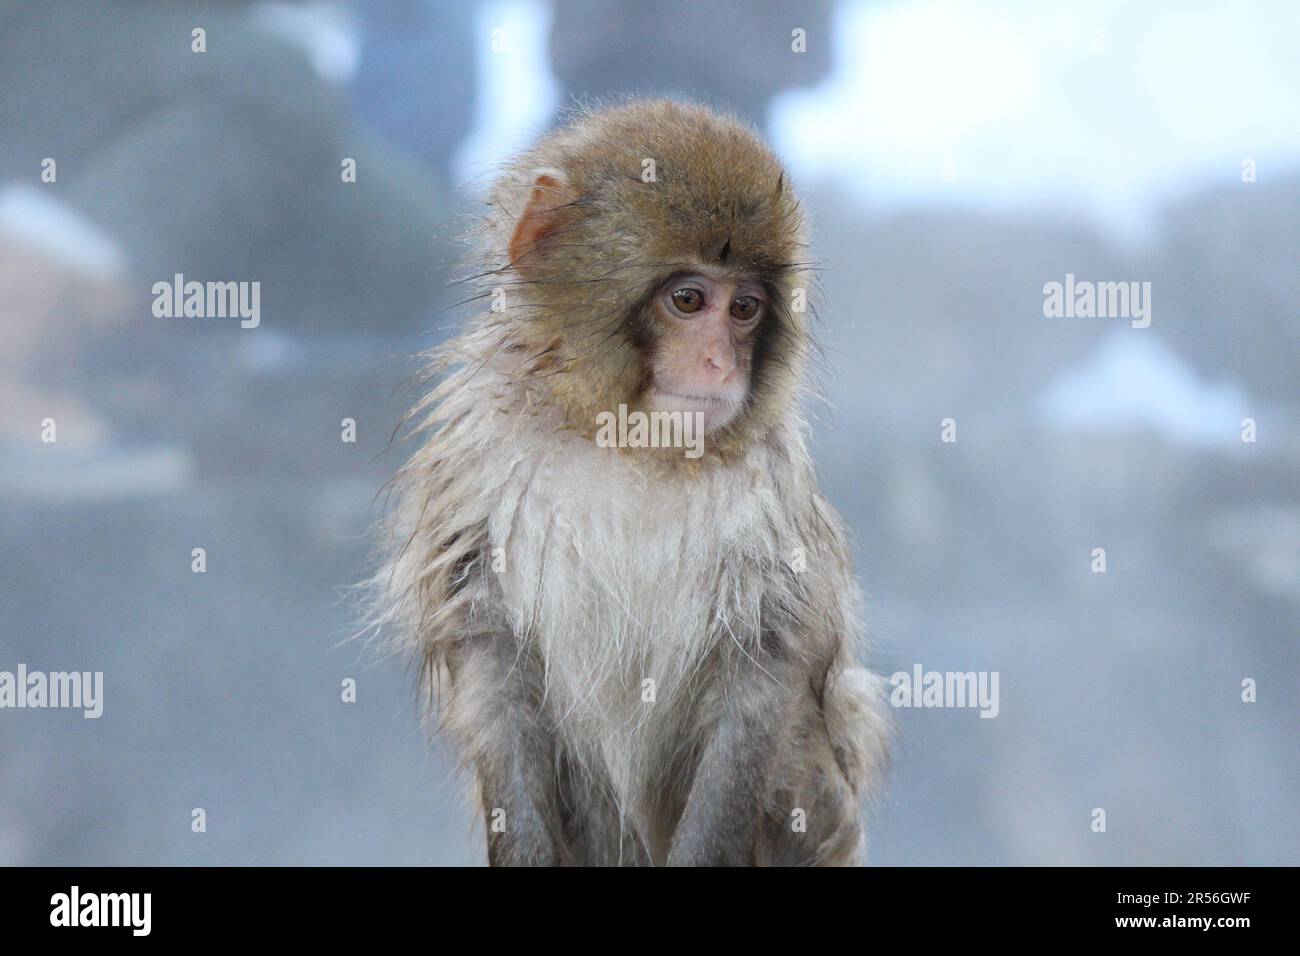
point(955, 158)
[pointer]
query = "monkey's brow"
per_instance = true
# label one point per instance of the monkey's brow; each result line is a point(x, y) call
point(742, 276)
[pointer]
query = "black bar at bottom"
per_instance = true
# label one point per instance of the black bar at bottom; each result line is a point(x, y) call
point(335, 906)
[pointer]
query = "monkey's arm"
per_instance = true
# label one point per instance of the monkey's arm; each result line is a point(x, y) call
point(496, 709)
point(767, 683)
point(731, 780)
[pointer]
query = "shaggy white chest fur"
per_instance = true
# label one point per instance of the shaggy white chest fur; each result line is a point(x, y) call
point(625, 586)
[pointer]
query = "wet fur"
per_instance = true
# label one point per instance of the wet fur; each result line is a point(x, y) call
point(542, 579)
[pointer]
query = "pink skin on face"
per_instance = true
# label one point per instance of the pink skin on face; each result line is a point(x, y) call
point(705, 351)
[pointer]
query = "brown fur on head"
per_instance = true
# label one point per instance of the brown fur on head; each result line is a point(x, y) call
point(598, 242)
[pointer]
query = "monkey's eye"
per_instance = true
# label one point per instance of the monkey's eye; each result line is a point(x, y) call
point(688, 300)
point(745, 308)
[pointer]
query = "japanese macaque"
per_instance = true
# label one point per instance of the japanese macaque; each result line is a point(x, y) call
point(644, 656)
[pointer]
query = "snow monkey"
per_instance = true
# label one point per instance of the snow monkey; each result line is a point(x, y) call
point(645, 651)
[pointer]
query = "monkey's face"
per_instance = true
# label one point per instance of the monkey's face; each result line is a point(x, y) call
point(681, 291)
point(702, 360)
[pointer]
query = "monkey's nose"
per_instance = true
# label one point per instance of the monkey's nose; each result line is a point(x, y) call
point(719, 363)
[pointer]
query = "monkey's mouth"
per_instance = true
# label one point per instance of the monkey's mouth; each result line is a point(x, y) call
point(706, 399)
point(715, 410)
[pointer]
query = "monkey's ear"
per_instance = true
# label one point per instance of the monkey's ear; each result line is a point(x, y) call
point(541, 217)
